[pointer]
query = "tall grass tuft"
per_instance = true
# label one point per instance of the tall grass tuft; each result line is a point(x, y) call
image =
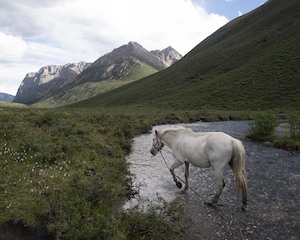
point(294, 122)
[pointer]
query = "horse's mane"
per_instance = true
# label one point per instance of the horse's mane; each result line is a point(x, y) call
point(177, 129)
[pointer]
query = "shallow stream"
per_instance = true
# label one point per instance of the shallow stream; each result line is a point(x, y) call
point(273, 177)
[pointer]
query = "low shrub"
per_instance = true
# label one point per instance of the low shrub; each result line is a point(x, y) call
point(160, 221)
point(263, 127)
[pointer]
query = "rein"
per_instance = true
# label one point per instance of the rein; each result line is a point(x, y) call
point(180, 178)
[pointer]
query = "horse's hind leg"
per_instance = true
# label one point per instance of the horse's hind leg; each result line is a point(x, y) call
point(187, 168)
point(221, 185)
point(175, 165)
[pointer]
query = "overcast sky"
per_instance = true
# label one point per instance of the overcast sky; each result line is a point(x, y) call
point(36, 33)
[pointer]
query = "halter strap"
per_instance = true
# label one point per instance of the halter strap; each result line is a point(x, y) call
point(158, 142)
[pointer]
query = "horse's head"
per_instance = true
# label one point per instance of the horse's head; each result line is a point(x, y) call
point(157, 144)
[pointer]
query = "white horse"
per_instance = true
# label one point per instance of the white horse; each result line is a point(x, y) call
point(203, 150)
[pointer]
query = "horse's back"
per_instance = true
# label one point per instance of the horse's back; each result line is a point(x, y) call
point(218, 147)
point(203, 149)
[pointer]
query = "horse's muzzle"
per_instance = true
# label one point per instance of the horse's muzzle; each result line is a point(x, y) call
point(153, 152)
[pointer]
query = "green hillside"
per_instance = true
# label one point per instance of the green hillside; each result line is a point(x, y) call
point(252, 63)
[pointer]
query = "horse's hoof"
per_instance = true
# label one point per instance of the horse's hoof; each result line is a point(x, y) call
point(181, 192)
point(210, 204)
point(179, 184)
point(244, 208)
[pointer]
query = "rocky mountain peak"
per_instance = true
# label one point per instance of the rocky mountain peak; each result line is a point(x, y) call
point(134, 45)
point(132, 49)
point(168, 55)
point(38, 85)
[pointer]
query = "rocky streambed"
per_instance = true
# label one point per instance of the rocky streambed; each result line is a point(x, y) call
point(273, 177)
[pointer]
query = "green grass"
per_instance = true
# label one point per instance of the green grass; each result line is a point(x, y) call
point(288, 143)
point(12, 105)
point(65, 170)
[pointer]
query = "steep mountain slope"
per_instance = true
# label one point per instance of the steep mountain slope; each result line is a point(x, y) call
point(250, 63)
point(123, 65)
point(119, 63)
point(49, 79)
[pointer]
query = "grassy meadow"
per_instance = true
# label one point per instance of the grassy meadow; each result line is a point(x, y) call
point(64, 171)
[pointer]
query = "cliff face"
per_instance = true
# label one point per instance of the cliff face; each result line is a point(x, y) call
point(39, 85)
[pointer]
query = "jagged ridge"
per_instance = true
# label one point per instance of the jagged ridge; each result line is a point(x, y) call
point(49, 79)
point(60, 85)
point(121, 61)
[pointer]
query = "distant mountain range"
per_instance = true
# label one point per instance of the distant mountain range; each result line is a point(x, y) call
point(6, 97)
point(61, 85)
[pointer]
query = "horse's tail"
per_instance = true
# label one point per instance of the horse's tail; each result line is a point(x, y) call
point(237, 163)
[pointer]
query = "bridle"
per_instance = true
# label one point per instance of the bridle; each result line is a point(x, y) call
point(158, 142)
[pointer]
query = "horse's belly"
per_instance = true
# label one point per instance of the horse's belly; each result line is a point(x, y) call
point(195, 157)
point(201, 163)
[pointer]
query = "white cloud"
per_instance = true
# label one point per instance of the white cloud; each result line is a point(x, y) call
point(240, 13)
point(12, 74)
point(57, 32)
point(11, 48)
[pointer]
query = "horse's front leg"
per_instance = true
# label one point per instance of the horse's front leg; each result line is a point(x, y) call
point(175, 165)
